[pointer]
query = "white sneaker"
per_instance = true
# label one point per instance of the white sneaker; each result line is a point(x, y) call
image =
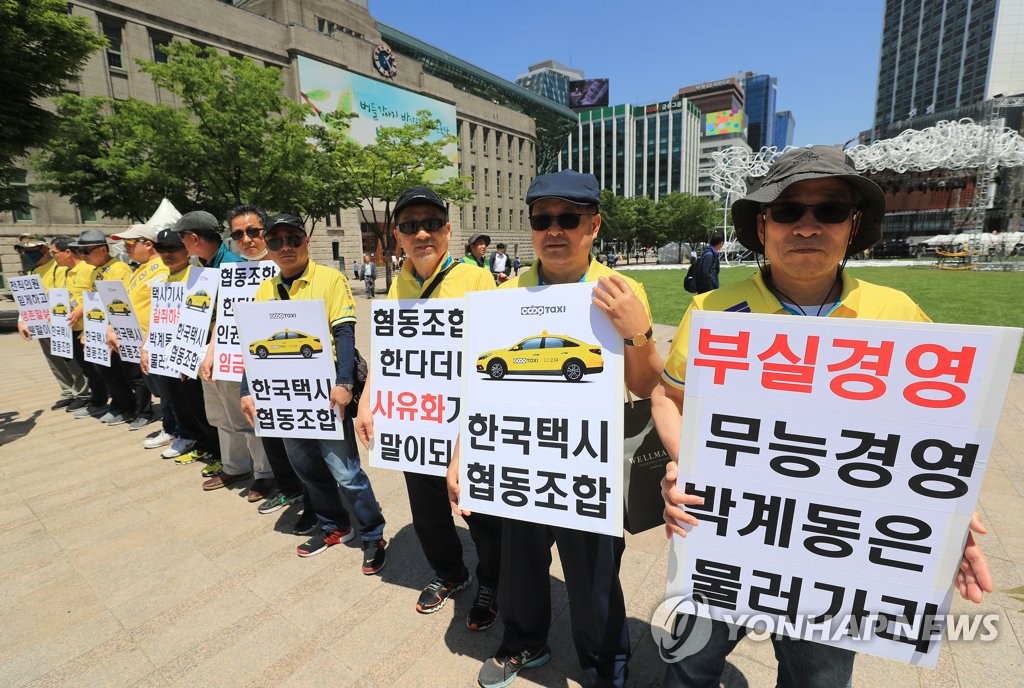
point(178, 447)
point(162, 439)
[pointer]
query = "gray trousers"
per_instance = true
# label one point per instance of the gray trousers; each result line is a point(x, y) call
point(241, 450)
point(68, 373)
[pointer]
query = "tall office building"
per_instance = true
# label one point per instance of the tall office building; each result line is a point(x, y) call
point(944, 54)
point(550, 79)
point(785, 124)
point(638, 150)
point(760, 106)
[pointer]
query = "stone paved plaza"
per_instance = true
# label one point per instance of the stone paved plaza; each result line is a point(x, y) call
point(116, 569)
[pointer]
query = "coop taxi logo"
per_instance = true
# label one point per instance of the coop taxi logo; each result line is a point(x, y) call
point(541, 310)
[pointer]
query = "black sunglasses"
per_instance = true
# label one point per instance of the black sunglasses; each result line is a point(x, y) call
point(251, 232)
point(565, 220)
point(829, 212)
point(293, 241)
point(85, 250)
point(430, 225)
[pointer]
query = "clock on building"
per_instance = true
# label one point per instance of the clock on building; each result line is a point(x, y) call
point(384, 60)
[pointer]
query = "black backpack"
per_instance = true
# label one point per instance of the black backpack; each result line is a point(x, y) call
point(690, 281)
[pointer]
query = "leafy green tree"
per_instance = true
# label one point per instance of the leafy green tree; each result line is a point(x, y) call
point(649, 230)
point(235, 139)
point(401, 157)
point(42, 48)
point(618, 219)
point(686, 218)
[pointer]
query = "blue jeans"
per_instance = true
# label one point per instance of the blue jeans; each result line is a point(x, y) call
point(342, 459)
point(802, 663)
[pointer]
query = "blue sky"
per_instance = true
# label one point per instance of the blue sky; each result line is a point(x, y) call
point(824, 52)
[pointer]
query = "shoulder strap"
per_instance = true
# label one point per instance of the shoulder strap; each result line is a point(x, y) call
point(282, 292)
point(437, 280)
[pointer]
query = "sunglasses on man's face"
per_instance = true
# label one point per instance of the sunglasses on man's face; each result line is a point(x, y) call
point(251, 232)
point(86, 250)
point(429, 225)
point(564, 220)
point(829, 212)
point(277, 243)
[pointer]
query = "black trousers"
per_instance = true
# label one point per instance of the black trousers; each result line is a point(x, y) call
point(186, 396)
point(590, 562)
point(97, 388)
point(432, 520)
point(128, 389)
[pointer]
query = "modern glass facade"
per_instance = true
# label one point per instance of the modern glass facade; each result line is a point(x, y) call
point(785, 123)
point(550, 79)
point(760, 106)
point(648, 150)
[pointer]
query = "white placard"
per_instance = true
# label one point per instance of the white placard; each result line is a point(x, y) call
point(121, 316)
point(541, 435)
point(415, 383)
point(95, 318)
point(289, 364)
point(188, 348)
point(165, 310)
point(238, 284)
point(840, 462)
point(33, 306)
point(61, 343)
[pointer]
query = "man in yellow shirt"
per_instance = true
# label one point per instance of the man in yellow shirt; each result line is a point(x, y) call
point(301, 278)
point(79, 281)
point(811, 212)
point(130, 397)
point(423, 232)
point(565, 219)
point(73, 385)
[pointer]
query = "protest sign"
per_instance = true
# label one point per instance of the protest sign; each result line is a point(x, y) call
point(415, 372)
point(33, 306)
point(840, 462)
point(60, 332)
point(541, 436)
point(289, 363)
point(166, 300)
point(121, 317)
point(95, 318)
point(188, 347)
point(238, 284)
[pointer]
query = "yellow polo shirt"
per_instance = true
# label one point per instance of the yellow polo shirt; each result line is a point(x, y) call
point(462, 278)
point(113, 269)
point(79, 280)
point(51, 275)
point(857, 300)
point(317, 282)
point(179, 276)
point(139, 289)
point(597, 270)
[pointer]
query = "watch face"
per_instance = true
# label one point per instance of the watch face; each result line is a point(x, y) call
point(384, 60)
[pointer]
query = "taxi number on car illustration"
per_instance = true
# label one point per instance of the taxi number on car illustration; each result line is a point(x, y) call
point(119, 306)
point(199, 301)
point(543, 354)
point(287, 342)
point(95, 314)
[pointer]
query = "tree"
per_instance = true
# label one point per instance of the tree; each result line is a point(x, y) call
point(401, 157)
point(236, 139)
point(42, 47)
point(649, 231)
point(618, 218)
point(686, 218)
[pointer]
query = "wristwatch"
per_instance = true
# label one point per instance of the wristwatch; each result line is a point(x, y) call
point(346, 385)
point(641, 339)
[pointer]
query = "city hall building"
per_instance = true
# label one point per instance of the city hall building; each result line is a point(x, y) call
point(505, 133)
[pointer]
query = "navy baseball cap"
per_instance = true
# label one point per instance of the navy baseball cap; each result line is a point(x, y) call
point(568, 185)
point(419, 195)
point(168, 239)
point(284, 220)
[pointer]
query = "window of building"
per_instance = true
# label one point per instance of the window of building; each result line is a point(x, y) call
point(472, 137)
point(522, 219)
point(497, 145)
point(87, 214)
point(159, 40)
point(487, 218)
point(510, 219)
point(510, 191)
point(472, 175)
point(19, 185)
point(497, 182)
point(487, 181)
point(112, 29)
point(485, 141)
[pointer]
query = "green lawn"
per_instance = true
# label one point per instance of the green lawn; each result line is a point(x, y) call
point(968, 296)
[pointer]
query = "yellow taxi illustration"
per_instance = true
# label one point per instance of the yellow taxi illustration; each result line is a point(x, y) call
point(543, 354)
point(199, 301)
point(287, 342)
point(119, 306)
point(60, 309)
point(94, 314)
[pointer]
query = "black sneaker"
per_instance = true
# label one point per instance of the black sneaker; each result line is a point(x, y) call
point(307, 523)
point(322, 540)
point(498, 672)
point(374, 556)
point(438, 591)
point(484, 610)
point(77, 404)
